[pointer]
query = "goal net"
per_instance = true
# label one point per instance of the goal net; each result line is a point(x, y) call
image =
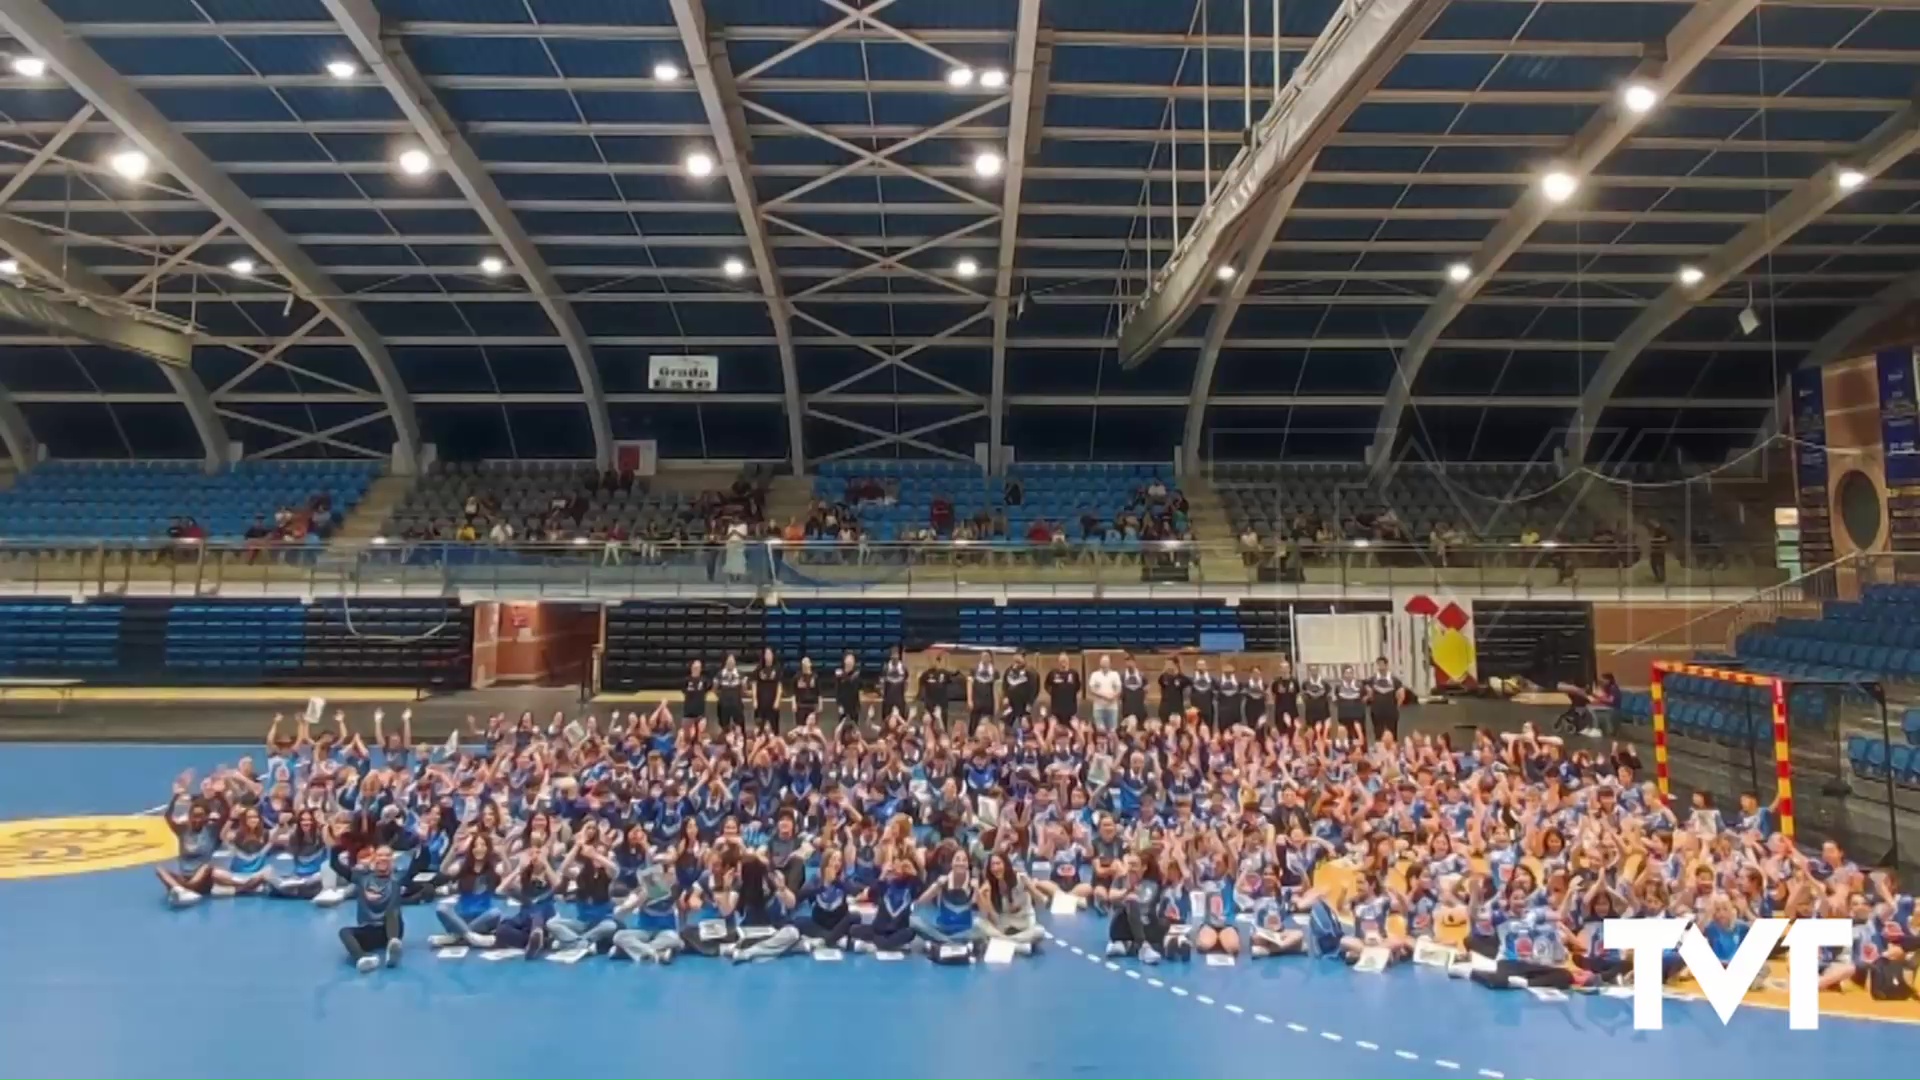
point(1727, 732)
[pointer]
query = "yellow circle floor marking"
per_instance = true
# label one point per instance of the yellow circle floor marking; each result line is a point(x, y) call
point(47, 847)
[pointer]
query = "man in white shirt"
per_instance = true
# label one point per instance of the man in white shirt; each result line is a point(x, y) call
point(1103, 686)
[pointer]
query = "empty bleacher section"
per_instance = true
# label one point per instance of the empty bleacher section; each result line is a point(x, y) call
point(58, 640)
point(401, 643)
point(133, 502)
point(1116, 626)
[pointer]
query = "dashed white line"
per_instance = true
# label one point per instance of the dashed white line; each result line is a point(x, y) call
point(1155, 983)
point(1180, 990)
point(1491, 1075)
point(1132, 974)
point(1365, 1045)
point(1204, 999)
point(1445, 1064)
point(1092, 959)
point(1235, 1010)
point(1406, 1055)
point(1111, 966)
point(1263, 1018)
point(1330, 1036)
point(1301, 1028)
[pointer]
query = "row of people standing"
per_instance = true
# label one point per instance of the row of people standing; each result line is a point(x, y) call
point(991, 689)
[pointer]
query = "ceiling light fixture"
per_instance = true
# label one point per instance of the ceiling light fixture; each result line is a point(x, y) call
point(1848, 179)
point(960, 78)
point(699, 164)
point(987, 164)
point(1639, 98)
point(10, 267)
point(1459, 272)
point(1691, 276)
point(734, 267)
point(993, 78)
point(28, 67)
point(1559, 185)
point(242, 266)
point(131, 164)
point(1225, 272)
point(415, 162)
point(342, 69)
point(493, 265)
point(666, 71)
point(966, 267)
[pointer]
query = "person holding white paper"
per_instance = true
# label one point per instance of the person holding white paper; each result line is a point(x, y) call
point(1006, 899)
point(953, 900)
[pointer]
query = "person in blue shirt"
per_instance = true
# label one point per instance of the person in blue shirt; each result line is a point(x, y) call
point(893, 896)
point(196, 828)
point(952, 921)
point(378, 928)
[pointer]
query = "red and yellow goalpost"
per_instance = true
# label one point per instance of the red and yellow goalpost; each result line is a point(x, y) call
point(1782, 746)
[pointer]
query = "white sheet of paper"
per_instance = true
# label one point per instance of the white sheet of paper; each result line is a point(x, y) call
point(316, 708)
point(502, 954)
point(1546, 993)
point(1064, 904)
point(570, 956)
point(452, 952)
point(452, 745)
point(886, 956)
point(829, 956)
point(576, 732)
point(713, 930)
point(1215, 959)
point(955, 952)
point(755, 933)
point(1373, 961)
point(1000, 952)
point(1432, 954)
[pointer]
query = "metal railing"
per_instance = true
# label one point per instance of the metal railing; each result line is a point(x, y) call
point(652, 568)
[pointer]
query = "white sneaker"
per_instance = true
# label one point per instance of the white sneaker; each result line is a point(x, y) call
point(864, 946)
point(1148, 956)
point(480, 941)
point(223, 892)
point(367, 964)
point(183, 897)
point(444, 941)
point(1116, 948)
point(393, 953)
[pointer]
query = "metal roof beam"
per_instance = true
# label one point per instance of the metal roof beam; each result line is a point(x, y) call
point(34, 25)
point(93, 310)
point(1359, 45)
point(389, 62)
point(713, 76)
point(1023, 121)
point(952, 400)
point(1687, 47)
point(1796, 210)
point(16, 433)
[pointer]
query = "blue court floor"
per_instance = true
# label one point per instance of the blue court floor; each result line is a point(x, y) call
point(99, 979)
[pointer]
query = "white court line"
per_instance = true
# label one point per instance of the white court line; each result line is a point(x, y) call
point(1445, 1064)
point(1406, 1055)
point(1111, 966)
point(1301, 1028)
point(1330, 1036)
point(1365, 1045)
point(1180, 990)
point(1235, 1010)
point(1263, 1018)
point(1155, 983)
point(1491, 1075)
point(1204, 999)
point(1132, 974)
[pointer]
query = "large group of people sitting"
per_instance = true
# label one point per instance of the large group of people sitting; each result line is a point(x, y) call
point(781, 812)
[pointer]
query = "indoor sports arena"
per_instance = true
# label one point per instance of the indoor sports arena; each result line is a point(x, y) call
point(1334, 538)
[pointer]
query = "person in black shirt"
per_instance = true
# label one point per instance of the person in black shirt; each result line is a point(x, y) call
point(766, 693)
point(1226, 697)
point(1286, 697)
point(1063, 689)
point(1020, 687)
point(1253, 699)
point(934, 688)
point(980, 691)
point(693, 696)
point(893, 685)
point(1133, 692)
point(1316, 705)
point(1350, 703)
point(1384, 695)
point(1173, 691)
point(1200, 692)
point(846, 691)
point(728, 687)
point(806, 693)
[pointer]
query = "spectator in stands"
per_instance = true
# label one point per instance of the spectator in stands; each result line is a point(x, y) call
point(466, 533)
point(1657, 540)
point(736, 552)
point(1013, 494)
point(1529, 536)
point(997, 528)
point(794, 533)
point(1157, 491)
point(941, 518)
point(1437, 543)
point(257, 536)
point(501, 533)
point(1249, 546)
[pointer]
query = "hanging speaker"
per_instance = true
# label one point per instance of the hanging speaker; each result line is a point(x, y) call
point(1749, 320)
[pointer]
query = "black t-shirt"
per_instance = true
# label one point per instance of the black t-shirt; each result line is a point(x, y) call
point(766, 686)
point(1063, 692)
point(1286, 696)
point(1020, 687)
point(933, 687)
point(806, 693)
point(893, 681)
point(728, 683)
point(984, 677)
point(846, 689)
point(1385, 701)
point(694, 695)
point(1173, 692)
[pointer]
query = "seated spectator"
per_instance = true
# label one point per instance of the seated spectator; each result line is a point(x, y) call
point(1013, 494)
point(1156, 491)
point(1529, 536)
point(467, 534)
point(1249, 546)
point(501, 533)
point(941, 518)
